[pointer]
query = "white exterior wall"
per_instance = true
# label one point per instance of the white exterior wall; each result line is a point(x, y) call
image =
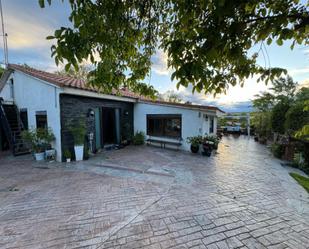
point(192, 124)
point(36, 95)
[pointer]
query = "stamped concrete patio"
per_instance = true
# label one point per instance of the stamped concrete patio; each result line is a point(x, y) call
point(145, 197)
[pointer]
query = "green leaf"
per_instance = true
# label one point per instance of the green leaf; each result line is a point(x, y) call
point(204, 41)
point(42, 3)
point(279, 42)
point(67, 67)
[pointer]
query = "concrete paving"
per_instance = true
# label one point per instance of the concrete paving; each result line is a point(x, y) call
point(145, 197)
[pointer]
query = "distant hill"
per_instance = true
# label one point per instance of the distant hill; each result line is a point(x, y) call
point(234, 107)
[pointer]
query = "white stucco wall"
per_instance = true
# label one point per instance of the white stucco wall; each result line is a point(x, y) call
point(193, 124)
point(36, 95)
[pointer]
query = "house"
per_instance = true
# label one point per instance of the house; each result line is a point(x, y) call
point(34, 98)
point(233, 127)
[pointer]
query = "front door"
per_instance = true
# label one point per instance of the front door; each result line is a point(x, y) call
point(98, 136)
point(110, 125)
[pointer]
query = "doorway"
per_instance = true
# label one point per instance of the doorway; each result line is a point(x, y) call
point(108, 127)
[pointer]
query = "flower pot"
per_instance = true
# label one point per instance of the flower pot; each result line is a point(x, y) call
point(194, 148)
point(207, 147)
point(39, 156)
point(50, 154)
point(79, 152)
point(68, 160)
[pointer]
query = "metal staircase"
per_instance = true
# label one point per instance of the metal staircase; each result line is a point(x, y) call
point(12, 126)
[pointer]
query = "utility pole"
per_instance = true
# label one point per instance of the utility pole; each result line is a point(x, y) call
point(4, 35)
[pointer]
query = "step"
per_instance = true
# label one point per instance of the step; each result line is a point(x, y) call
point(20, 153)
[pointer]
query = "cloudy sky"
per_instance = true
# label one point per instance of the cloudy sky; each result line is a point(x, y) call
point(28, 25)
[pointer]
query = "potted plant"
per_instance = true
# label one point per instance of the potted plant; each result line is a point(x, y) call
point(195, 143)
point(139, 138)
point(215, 141)
point(49, 137)
point(79, 132)
point(67, 156)
point(207, 146)
point(34, 138)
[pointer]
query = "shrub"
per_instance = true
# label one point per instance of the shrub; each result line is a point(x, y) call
point(67, 154)
point(277, 150)
point(195, 141)
point(79, 132)
point(39, 138)
point(139, 138)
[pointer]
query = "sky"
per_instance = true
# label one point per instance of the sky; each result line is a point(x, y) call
point(27, 26)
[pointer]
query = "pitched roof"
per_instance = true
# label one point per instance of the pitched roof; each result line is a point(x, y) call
point(183, 105)
point(66, 81)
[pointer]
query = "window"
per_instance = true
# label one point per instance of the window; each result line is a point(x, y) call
point(24, 118)
point(211, 126)
point(165, 125)
point(41, 119)
point(12, 89)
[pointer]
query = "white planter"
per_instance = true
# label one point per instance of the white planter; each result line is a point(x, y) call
point(50, 154)
point(79, 152)
point(68, 160)
point(39, 156)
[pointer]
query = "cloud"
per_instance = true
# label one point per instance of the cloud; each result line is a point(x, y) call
point(304, 83)
point(28, 26)
point(234, 94)
point(159, 63)
point(298, 71)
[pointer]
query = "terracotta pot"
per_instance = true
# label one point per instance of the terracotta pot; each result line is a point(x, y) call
point(194, 148)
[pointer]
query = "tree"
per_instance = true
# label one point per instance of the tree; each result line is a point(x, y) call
point(1, 71)
point(284, 88)
point(207, 42)
point(296, 117)
point(170, 96)
point(274, 107)
point(278, 115)
point(82, 73)
point(263, 102)
point(303, 94)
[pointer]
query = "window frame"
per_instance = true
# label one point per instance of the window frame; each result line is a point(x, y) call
point(41, 114)
point(24, 111)
point(163, 118)
point(211, 125)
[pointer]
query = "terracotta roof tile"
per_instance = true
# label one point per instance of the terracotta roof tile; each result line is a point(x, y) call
point(66, 81)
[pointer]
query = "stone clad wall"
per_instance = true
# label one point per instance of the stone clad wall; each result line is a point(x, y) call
point(76, 108)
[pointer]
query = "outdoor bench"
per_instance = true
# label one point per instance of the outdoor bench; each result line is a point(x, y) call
point(163, 143)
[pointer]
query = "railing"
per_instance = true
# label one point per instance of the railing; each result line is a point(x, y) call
point(6, 126)
point(19, 121)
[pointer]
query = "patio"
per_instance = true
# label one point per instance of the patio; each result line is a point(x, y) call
point(147, 197)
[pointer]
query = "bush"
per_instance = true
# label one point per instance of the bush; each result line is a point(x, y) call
point(67, 154)
point(139, 138)
point(278, 116)
point(39, 138)
point(277, 150)
point(195, 141)
point(78, 131)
